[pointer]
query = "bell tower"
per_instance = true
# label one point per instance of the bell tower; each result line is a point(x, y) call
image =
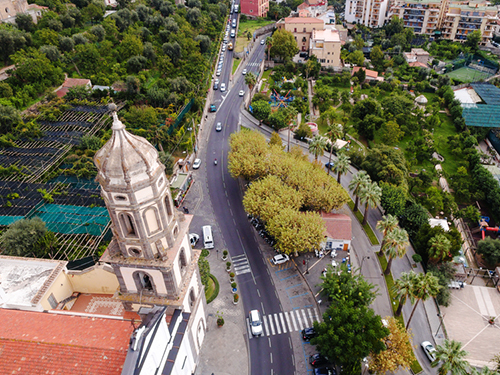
point(150, 252)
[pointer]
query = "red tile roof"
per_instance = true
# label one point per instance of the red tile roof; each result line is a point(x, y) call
point(368, 72)
point(338, 226)
point(44, 343)
point(72, 82)
point(417, 64)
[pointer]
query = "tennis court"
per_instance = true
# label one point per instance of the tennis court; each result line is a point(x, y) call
point(468, 75)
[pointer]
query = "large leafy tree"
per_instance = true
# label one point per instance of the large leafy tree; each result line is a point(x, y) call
point(370, 195)
point(473, 40)
point(490, 250)
point(283, 45)
point(348, 334)
point(395, 246)
point(403, 289)
point(384, 163)
point(425, 285)
point(393, 199)
point(341, 166)
point(261, 109)
point(398, 352)
point(450, 357)
point(357, 183)
point(21, 237)
point(9, 118)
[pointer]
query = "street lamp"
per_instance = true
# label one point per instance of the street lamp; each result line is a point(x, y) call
point(362, 261)
point(307, 264)
point(440, 323)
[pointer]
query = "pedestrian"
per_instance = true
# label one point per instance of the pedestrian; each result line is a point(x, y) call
point(304, 262)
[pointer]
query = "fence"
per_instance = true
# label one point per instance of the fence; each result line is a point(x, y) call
point(180, 116)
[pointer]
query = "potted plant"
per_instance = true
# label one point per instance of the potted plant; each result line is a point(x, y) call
point(228, 266)
point(231, 277)
point(236, 298)
point(224, 255)
point(491, 320)
point(417, 259)
point(220, 319)
point(233, 286)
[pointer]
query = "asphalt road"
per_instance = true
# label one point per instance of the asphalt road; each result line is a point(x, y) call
point(268, 355)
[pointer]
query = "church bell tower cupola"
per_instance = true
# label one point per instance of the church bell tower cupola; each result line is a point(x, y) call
point(137, 195)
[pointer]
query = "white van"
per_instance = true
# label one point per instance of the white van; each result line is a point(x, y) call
point(208, 239)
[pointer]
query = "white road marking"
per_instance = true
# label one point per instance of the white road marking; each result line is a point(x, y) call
point(283, 322)
point(278, 328)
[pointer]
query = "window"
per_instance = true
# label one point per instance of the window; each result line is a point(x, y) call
point(192, 298)
point(135, 252)
point(304, 29)
point(151, 220)
point(168, 205)
point(145, 281)
point(304, 39)
point(327, 61)
point(120, 198)
point(294, 29)
point(52, 301)
point(127, 224)
point(328, 53)
point(182, 261)
point(251, 10)
point(160, 182)
point(322, 60)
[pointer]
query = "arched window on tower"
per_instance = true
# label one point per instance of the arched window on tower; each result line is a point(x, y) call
point(128, 225)
point(192, 298)
point(182, 261)
point(168, 205)
point(143, 282)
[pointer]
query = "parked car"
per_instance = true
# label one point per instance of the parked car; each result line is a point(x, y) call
point(325, 371)
point(218, 127)
point(255, 322)
point(216, 84)
point(308, 334)
point(244, 71)
point(218, 73)
point(317, 360)
point(280, 259)
point(429, 350)
point(242, 93)
point(197, 163)
point(213, 108)
point(330, 165)
point(193, 238)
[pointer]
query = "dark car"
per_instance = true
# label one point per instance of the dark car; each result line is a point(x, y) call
point(317, 360)
point(213, 108)
point(330, 165)
point(325, 371)
point(308, 334)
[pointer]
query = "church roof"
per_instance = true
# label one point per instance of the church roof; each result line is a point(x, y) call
point(126, 159)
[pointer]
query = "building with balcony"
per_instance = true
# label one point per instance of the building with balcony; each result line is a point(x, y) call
point(371, 13)
point(422, 16)
point(312, 8)
point(301, 28)
point(326, 45)
point(254, 8)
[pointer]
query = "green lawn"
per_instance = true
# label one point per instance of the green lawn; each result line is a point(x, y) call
point(213, 289)
point(467, 74)
point(236, 63)
point(251, 25)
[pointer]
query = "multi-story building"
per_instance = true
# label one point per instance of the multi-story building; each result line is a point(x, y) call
point(371, 13)
point(301, 28)
point(312, 8)
point(448, 19)
point(254, 8)
point(325, 45)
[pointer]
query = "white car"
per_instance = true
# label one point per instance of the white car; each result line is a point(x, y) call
point(193, 238)
point(242, 92)
point(244, 71)
point(224, 48)
point(218, 127)
point(255, 322)
point(262, 41)
point(218, 73)
point(222, 87)
point(429, 350)
point(197, 163)
point(280, 259)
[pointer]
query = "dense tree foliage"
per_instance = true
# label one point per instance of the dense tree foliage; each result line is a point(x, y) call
point(21, 238)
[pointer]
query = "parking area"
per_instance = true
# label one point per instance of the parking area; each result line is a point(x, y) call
point(467, 320)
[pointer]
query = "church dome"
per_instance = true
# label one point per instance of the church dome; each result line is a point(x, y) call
point(125, 159)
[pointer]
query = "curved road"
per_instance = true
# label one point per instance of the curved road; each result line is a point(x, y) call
point(268, 355)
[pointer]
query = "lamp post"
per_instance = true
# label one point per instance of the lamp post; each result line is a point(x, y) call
point(307, 264)
point(440, 323)
point(362, 261)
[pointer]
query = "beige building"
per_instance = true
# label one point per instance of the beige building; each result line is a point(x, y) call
point(325, 45)
point(9, 9)
point(450, 19)
point(371, 13)
point(417, 55)
point(301, 28)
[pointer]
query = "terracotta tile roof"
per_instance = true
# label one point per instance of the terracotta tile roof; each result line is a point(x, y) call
point(417, 64)
point(338, 226)
point(36, 343)
point(368, 72)
point(302, 6)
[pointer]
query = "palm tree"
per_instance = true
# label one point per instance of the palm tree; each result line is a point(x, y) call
point(386, 225)
point(359, 180)
point(250, 80)
point(395, 246)
point(425, 285)
point(341, 166)
point(269, 44)
point(451, 357)
point(317, 146)
point(439, 248)
point(403, 289)
point(370, 195)
point(484, 371)
point(333, 132)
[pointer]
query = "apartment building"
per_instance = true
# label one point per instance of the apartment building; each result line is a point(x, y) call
point(301, 28)
point(325, 45)
point(312, 8)
point(254, 8)
point(371, 13)
point(448, 19)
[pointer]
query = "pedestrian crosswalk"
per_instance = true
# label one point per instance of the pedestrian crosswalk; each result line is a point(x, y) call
point(253, 64)
point(240, 264)
point(289, 321)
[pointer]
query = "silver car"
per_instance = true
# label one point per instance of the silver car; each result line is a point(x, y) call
point(429, 350)
point(255, 322)
point(280, 259)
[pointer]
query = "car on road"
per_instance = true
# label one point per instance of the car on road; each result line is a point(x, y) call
point(244, 71)
point(222, 87)
point(280, 259)
point(308, 334)
point(429, 350)
point(213, 108)
point(262, 41)
point(193, 238)
point(218, 73)
point(197, 163)
point(330, 165)
point(317, 360)
point(241, 93)
point(216, 84)
point(218, 127)
point(255, 322)
point(233, 33)
point(325, 371)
